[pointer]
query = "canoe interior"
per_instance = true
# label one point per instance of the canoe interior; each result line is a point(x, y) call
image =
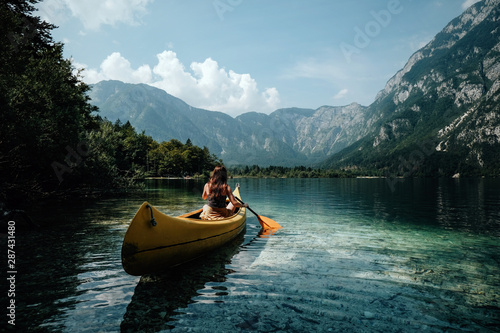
point(196, 214)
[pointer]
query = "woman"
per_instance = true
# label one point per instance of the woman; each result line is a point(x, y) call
point(216, 191)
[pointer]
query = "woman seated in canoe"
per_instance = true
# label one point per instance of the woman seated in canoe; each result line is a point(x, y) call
point(216, 191)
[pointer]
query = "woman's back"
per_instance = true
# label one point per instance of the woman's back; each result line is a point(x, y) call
point(217, 201)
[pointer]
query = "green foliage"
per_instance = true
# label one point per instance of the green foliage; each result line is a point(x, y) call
point(173, 158)
point(296, 172)
point(50, 138)
point(117, 155)
point(44, 106)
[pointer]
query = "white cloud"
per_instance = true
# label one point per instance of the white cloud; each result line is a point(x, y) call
point(93, 13)
point(468, 3)
point(116, 67)
point(204, 85)
point(341, 94)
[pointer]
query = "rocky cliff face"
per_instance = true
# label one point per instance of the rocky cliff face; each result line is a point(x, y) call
point(330, 129)
point(285, 137)
point(446, 96)
point(482, 13)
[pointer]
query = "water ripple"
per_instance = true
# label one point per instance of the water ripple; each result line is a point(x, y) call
point(353, 256)
point(354, 277)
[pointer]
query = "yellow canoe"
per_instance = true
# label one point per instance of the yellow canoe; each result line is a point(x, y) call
point(155, 241)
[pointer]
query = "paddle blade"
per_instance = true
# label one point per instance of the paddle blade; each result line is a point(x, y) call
point(266, 233)
point(268, 223)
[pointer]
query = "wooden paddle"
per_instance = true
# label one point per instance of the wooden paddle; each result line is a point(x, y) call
point(265, 222)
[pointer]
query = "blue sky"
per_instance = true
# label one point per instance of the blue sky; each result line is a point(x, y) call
point(237, 56)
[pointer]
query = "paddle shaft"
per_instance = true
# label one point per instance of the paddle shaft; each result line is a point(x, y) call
point(264, 220)
point(250, 209)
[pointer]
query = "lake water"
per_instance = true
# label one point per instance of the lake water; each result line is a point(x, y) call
point(355, 255)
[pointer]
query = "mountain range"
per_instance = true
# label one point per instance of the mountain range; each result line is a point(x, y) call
point(439, 115)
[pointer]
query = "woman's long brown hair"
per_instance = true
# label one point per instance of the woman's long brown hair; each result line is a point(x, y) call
point(218, 181)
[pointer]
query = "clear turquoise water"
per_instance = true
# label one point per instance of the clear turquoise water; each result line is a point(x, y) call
point(353, 256)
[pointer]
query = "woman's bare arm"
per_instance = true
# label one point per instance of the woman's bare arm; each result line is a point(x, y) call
point(205, 192)
point(232, 199)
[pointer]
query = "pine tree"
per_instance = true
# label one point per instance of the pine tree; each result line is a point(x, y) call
point(44, 106)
